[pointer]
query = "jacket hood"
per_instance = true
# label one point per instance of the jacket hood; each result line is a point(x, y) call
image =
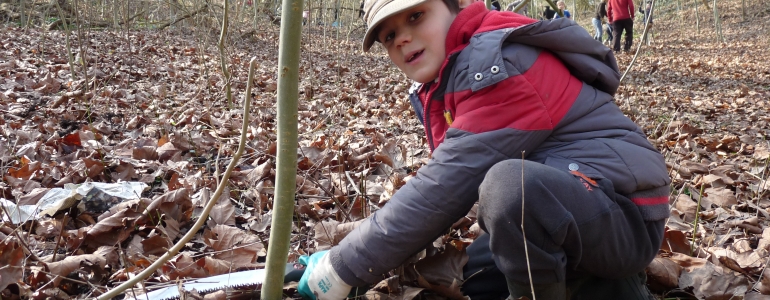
point(587, 59)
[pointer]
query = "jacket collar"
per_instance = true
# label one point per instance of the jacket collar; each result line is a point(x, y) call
point(464, 26)
point(476, 19)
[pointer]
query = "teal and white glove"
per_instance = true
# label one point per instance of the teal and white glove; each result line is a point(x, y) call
point(320, 280)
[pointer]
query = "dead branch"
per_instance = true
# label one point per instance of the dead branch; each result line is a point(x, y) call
point(187, 16)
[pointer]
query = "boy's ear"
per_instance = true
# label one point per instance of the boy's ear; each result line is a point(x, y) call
point(465, 3)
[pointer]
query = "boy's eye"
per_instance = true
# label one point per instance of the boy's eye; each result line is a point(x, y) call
point(415, 16)
point(388, 37)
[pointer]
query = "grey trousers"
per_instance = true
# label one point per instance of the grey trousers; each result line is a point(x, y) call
point(574, 226)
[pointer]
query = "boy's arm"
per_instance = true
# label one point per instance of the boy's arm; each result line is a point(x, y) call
point(443, 191)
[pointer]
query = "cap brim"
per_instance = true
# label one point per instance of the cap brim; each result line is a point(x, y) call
point(390, 9)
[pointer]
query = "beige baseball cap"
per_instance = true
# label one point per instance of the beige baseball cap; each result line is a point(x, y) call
point(379, 10)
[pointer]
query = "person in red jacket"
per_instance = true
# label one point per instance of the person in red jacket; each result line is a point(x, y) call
point(621, 16)
point(509, 105)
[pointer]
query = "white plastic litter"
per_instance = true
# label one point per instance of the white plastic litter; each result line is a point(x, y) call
point(104, 194)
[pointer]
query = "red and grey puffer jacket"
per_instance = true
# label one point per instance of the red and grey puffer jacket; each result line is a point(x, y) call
point(509, 85)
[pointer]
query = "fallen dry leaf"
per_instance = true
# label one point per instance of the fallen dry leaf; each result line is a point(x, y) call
point(12, 260)
point(663, 274)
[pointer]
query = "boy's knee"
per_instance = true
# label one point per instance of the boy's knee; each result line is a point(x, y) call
point(502, 189)
point(512, 174)
point(504, 168)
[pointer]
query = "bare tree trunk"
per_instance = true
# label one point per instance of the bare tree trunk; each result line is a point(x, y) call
point(286, 162)
point(81, 51)
point(22, 20)
point(256, 14)
point(718, 23)
point(324, 22)
point(743, 9)
point(115, 14)
point(679, 13)
point(222, 57)
point(70, 58)
point(697, 19)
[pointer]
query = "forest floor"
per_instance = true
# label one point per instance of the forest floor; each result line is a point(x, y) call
point(152, 113)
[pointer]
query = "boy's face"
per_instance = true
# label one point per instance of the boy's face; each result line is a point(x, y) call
point(416, 39)
point(561, 5)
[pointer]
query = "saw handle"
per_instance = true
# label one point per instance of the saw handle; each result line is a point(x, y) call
point(293, 272)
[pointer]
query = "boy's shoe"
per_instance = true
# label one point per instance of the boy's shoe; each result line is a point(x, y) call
point(630, 288)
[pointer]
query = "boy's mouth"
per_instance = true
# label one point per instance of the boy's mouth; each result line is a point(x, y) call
point(414, 56)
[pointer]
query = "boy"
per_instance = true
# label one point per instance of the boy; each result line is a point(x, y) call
point(563, 8)
point(498, 87)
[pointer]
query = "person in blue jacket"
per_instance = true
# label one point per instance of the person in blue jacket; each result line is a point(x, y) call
point(563, 8)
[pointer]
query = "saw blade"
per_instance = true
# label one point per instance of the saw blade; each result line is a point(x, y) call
point(208, 284)
point(250, 278)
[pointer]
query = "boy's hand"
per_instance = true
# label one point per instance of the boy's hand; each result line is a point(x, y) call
point(320, 279)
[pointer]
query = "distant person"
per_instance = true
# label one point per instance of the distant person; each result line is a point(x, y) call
point(496, 5)
point(621, 15)
point(336, 22)
point(548, 13)
point(647, 11)
point(522, 11)
point(598, 19)
point(608, 32)
point(361, 10)
point(563, 8)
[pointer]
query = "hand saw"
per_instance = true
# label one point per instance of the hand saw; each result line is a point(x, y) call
point(243, 279)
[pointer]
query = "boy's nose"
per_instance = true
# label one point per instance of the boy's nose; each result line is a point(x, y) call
point(403, 38)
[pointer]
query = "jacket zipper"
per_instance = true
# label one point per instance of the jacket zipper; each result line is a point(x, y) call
point(426, 115)
point(430, 89)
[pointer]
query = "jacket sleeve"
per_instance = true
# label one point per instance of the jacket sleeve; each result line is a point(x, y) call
point(443, 191)
point(632, 11)
point(609, 12)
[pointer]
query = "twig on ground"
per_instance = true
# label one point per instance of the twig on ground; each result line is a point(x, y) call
point(58, 238)
point(523, 233)
point(695, 223)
